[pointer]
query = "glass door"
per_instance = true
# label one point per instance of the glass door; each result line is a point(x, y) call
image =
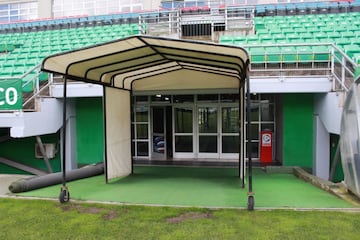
point(183, 132)
point(230, 137)
point(208, 132)
point(159, 143)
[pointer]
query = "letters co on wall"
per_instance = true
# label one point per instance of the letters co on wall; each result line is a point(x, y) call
point(10, 95)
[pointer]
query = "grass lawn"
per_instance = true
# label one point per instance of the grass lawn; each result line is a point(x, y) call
point(41, 219)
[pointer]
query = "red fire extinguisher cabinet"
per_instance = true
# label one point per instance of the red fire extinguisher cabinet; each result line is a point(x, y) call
point(266, 147)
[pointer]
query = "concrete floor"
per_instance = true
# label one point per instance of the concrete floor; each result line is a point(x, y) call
point(7, 179)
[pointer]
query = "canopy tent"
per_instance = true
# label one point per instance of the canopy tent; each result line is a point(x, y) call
point(143, 63)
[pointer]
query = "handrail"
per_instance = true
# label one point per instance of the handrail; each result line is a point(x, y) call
point(339, 65)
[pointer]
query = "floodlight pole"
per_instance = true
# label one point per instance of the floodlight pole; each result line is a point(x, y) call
point(64, 192)
point(251, 201)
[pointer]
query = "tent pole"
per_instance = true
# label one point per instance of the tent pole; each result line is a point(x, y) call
point(248, 149)
point(241, 138)
point(64, 193)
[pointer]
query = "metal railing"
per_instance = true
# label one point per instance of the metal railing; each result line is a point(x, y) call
point(32, 84)
point(289, 60)
point(182, 23)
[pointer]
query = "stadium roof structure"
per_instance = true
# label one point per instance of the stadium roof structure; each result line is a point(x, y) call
point(163, 62)
point(143, 63)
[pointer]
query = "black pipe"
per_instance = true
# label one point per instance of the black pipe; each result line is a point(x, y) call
point(37, 182)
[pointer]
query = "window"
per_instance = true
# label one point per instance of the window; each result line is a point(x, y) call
point(63, 8)
point(262, 118)
point(18, 11)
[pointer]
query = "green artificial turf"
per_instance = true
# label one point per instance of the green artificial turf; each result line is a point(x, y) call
point(202, 187)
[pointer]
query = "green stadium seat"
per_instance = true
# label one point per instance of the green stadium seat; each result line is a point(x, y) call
point(252, 39)
point(355, 41)
point(306, 35)
point(282, 41)
point(305, 53)
point(273, 54)
point(289, 54)
point(265, 37)
point(287, 30)
point(312, 29)
point(297, 41)
point(257, 55)
point(350, 50)
point(262, 31)
point(347, 34)
point(239, 40)
point(356, 58)
point(321, 53)
point(275, 30)
point(332, 36)
point(28, 83)
point(342, 42)
point(225, 39)
point(278, 36)
point(300, 30)
point(292, 36)
point(320, 35)
point(5, 72)
point(327, 29)
point(357, 33)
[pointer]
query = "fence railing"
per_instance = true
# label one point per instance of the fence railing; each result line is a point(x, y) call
point(299, 60)
point(18, 92)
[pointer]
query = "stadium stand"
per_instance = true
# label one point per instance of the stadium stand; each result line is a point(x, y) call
point(341, 29)
point(25, 44)
point(23, 51)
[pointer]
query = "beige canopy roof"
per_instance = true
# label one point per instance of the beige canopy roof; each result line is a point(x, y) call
point(146, 63)
point(165, 63)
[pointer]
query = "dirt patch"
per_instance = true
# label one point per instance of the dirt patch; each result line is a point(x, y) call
point(108, 214)
point(189, 216)
point(111, 215)
point(68, 207)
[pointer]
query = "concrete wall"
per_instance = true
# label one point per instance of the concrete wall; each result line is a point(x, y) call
point(44, 10)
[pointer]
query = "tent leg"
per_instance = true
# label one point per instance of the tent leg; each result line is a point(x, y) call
point(64, 192)
point(251, 201)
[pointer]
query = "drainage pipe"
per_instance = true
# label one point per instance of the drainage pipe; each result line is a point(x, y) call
point(36, 182)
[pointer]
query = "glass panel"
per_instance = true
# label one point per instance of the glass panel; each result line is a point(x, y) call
point(183, 120)
point(230, 120)
point(230, 144)
point(267, 111)
point(183, 144)
point(141, 114)
point(208, 144)
point(142, 149)
point(158, 120)
point(183, 98)
point(141, 98)
point(161, 98)
point(254, 111)
point(229, 97)
point(142, 131)
point(208, 97)
point(207, 120)
point(254, 131)
point(267, 127)
point(159, 144)
point(254, 149)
